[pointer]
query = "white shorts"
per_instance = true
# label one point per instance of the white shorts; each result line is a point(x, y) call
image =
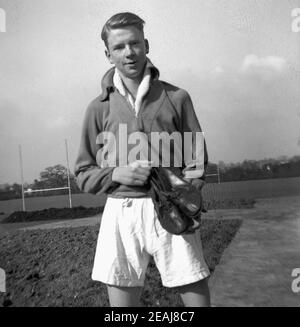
point(130, 234)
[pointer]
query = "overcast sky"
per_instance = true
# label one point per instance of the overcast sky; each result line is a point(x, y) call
point(238, 59)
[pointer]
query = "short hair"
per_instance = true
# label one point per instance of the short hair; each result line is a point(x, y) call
point(122, 19)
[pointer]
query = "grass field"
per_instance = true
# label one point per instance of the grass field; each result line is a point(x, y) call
point(53, 267)
point(231, 190)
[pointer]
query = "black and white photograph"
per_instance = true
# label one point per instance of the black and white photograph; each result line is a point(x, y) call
point(150, 156)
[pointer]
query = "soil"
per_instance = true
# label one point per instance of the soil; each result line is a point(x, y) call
point(53, 267)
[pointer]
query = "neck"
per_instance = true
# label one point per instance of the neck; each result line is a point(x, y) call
point(132, 85)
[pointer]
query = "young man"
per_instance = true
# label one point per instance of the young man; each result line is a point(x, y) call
point(130, 233)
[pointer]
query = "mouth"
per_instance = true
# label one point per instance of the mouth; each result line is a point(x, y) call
point(132, 63)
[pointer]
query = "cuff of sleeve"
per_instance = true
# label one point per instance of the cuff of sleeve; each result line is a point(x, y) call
point(111, 184)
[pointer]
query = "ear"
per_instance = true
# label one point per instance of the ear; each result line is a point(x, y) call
point(147, 46)
point(108, 56)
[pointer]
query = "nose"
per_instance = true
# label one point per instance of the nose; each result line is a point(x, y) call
point(129, 51)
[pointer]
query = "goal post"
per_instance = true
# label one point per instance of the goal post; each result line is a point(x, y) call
point(29, 191)
point(217, 174)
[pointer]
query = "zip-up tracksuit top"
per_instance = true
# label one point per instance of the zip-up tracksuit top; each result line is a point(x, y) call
point(165, 108)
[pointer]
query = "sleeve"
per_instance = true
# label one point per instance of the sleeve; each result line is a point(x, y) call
point(195, 150)
point(90, 177)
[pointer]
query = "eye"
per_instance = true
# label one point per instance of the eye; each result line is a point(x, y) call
point(118, 47)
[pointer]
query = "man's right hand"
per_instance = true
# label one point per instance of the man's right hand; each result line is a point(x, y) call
point(131, 175)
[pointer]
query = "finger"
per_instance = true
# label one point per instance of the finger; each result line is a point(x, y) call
point(138, 176)
point(195, 226)
point(145, 163)
point(141, 163)
point(142, 178)
point(134, 164)
point(142, 171)
point(138, 182)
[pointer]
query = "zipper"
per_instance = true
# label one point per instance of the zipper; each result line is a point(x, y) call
point(135, 115)
point(128, 105)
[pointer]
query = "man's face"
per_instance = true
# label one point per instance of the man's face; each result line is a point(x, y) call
point(127, 50)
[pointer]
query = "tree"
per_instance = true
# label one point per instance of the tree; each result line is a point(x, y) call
point(55, 176)
point(16, 188)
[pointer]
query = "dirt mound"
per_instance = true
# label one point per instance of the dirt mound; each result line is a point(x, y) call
point(82, 212)
point(52, 214)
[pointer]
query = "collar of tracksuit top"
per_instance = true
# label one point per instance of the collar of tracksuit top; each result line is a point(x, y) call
point(142, 89)
point(146, 107)
point(151, 74)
